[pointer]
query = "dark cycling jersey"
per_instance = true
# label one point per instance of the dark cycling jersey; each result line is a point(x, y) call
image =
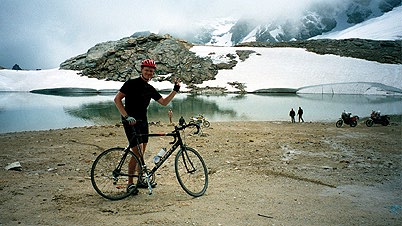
point(138, 95)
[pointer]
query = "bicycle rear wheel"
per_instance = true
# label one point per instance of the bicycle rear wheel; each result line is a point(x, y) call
point(191, 172)
point(109, 173)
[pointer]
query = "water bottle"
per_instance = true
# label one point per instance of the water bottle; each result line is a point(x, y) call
point(160, 154)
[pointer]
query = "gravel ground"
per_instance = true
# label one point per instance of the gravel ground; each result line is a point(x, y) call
point(260, 173)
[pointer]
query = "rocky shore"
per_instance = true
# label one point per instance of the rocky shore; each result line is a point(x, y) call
point(260, 173)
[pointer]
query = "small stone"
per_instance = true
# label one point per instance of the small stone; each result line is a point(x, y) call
point(14, 166)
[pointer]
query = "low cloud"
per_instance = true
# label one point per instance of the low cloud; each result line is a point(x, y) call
point(44, 33)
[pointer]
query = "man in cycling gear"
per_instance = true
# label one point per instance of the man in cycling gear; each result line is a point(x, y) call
point(138, 93)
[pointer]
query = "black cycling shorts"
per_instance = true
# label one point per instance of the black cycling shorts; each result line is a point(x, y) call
point(139, 128)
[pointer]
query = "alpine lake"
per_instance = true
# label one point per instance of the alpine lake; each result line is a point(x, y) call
point(25, 111)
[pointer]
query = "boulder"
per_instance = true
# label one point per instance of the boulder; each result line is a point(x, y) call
point(16, 67)
point(120, 60)
point(14, 166)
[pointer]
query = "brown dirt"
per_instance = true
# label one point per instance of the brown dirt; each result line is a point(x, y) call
point(260, 173)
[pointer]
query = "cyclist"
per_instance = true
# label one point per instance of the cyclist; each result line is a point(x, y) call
point(138, 93)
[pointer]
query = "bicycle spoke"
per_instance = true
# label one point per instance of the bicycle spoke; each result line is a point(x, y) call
point(191, 172)
point(109, 173)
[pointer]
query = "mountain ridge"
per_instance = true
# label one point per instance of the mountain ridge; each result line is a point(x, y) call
point(388, 52)
point(316, 20)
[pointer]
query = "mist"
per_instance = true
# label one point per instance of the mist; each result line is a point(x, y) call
point(40, 34)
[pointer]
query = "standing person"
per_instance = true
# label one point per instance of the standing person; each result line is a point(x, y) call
point(292, 114)
point(138, 94)
point(300, 114)
point(170, 114)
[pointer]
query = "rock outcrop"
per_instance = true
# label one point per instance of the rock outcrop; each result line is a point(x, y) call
point(16, 67)
point(120, 60)
point(381, 51)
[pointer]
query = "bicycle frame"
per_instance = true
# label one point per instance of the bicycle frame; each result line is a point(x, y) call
point(177, 142)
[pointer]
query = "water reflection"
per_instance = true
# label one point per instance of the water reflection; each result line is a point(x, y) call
point(28, 111)
point(255, 107)
point(97, 112)
point(106, 113)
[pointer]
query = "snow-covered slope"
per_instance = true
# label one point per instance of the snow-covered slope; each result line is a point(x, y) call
point(267, 68)
point(296, 68)
point(385, 27)
point(22, 81)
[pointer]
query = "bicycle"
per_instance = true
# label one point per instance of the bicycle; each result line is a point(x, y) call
point(109, 172)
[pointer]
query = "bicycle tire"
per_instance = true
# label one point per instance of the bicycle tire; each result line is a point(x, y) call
point(109, 181)
point(339, 123)
point(369, 122)
point(191, 172)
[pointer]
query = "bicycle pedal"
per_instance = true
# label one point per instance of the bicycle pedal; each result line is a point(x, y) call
point(153, 185)
point(132, 189)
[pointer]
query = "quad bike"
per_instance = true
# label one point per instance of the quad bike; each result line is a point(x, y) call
point(376, 118)
point(348, 119)
point(200, 120)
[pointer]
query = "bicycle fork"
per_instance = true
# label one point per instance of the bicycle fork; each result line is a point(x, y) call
point(188, 163)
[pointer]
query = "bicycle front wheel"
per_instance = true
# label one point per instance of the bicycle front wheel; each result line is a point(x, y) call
point(109, 173)
point(191, 172)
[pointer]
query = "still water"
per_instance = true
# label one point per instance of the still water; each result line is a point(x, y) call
point(21, 111)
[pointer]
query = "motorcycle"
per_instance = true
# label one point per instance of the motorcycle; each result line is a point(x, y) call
point(376, 118)
point(348, 119)
point(200, 120)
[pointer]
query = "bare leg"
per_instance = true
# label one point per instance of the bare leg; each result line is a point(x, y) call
point(132, 165)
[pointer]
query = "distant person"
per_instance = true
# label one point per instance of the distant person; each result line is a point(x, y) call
point(182, 121)
point(170, 115)
point(300, 114)
point(292, 115)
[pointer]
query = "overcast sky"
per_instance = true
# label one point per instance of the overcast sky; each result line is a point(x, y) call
point(44, 33)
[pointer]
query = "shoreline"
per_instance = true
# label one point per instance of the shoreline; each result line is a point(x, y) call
point(394, 120)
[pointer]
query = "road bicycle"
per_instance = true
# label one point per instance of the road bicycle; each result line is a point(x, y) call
point(109, 172)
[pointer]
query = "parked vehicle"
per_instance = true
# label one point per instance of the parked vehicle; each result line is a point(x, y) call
point(348, 119)
point(200, 120)
point(377, 118)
